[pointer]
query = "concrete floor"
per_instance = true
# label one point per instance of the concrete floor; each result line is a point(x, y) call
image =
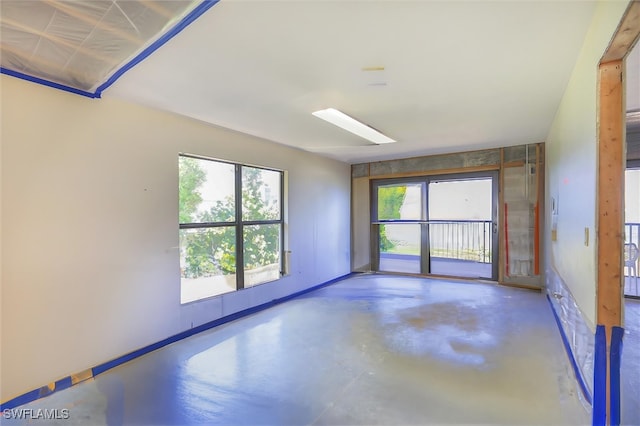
point(371, 349)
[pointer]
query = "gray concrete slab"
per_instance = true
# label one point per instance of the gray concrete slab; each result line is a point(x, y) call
point(371, 349)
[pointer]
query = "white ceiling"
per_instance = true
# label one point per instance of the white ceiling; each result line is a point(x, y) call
point(457, 75)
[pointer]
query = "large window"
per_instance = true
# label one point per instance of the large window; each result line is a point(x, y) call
point(231, 224)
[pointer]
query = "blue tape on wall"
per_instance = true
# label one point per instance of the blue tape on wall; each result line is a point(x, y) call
point(46, 82)
point(192, 16)
point(67, 382)
point(572, 359)
point(615, 356)
point(600, 378)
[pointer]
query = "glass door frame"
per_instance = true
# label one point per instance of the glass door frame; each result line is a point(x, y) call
point(425, 259)
point(376, 223)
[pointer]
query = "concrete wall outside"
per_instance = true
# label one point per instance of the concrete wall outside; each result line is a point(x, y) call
point(90, 260)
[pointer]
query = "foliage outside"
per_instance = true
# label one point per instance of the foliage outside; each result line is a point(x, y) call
point(390, 200)
point(212, 251)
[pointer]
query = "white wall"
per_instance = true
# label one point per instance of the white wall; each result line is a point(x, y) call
point(90, 228)
point(571, 167)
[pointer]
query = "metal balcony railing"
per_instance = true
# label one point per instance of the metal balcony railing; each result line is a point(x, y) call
point(632, 233)
point(461, 239)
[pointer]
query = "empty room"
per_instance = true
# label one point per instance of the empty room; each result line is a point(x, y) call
point(319, 212)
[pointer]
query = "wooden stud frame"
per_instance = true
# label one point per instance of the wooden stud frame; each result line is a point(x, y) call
point(611, 166)
point(610, 194)
point(610, 179)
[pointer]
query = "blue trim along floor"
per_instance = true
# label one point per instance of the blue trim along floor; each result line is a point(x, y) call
point(371, 349)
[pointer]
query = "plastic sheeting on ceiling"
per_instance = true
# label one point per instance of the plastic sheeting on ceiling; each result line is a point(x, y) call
point(80, 44)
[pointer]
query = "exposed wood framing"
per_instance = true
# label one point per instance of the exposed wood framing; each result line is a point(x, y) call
point(626, 35)
point(493, 160)
point(610, 194)
point(514, 164)
point(437, 172)
point(610, 205)
point(611, 166)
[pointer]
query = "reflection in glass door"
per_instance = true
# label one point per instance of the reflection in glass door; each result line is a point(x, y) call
point(400, 210)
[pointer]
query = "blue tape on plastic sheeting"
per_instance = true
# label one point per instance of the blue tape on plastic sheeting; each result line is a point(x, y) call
point(600, 378)
point(572, 359)
point(47, 83)
point(67, 382)
point(192, 16)
point(615, 356)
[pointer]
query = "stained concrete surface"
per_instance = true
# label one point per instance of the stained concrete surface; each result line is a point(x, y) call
point(371, 349)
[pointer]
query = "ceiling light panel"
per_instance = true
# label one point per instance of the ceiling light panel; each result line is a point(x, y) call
point(342, 120)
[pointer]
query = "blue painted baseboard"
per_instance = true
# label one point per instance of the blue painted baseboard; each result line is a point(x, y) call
point(98, 369)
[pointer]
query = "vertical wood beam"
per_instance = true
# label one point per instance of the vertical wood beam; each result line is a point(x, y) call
point(610, 191)
point(610, 194)
point(610, 203)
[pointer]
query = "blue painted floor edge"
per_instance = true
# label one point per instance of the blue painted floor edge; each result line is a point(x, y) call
point(576, 370)
point(67, 382)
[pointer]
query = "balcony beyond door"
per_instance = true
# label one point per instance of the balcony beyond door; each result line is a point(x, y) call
point(444, 225)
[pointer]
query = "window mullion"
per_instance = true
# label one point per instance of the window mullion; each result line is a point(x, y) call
point(239, 231)
point(262, 222)
point(205, 225)
point(282, 248)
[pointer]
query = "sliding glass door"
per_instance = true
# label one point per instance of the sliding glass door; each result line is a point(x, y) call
point(441, 225)
point(400, 214)
point(462, 223)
